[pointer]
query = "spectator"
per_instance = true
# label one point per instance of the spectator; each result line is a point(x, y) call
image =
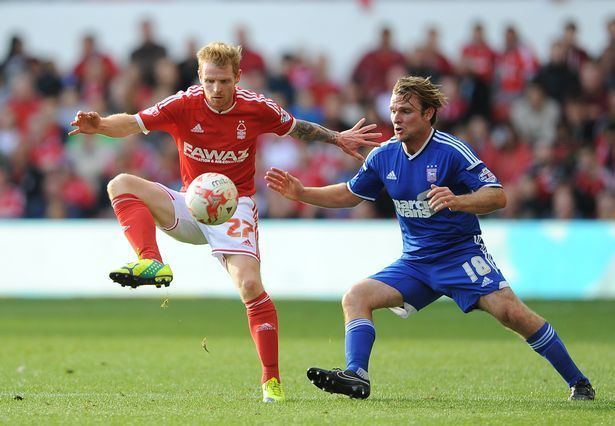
point(93, 58)
point(23, 101)
point(535, 116)
point(556, 77)
point(593, 91)
point(322, 86)
point(251, 60)
point(188, 68)
point(478, 56)
point(516, 65)
point(576, 56)
point(12, 199)
point(564, 206)
point(371, 70)
point(607, 58)
point(17, 61)
point(433, 53)
point(147, 53)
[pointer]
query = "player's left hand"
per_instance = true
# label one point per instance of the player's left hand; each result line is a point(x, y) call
point(351, 140)
point(441, 197)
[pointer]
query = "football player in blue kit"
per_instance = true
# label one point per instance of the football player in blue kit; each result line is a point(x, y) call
point(438, 186)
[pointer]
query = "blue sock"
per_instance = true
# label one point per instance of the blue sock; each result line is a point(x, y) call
point(548, 344)
point(360, 336)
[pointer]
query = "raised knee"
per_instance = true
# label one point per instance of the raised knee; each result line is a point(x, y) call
point(250, 288)
point(352, 299)
point(119, 185)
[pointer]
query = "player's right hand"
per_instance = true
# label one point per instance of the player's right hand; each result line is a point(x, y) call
point(86, 122)
point(284, 183)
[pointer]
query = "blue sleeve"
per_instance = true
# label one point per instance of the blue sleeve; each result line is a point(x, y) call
point(472, 172)
point(479, 176)
point(366, 183)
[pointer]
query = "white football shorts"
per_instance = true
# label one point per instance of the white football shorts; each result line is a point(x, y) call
point(238, 235)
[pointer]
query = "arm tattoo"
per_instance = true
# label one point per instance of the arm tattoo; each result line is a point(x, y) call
point(309, 132)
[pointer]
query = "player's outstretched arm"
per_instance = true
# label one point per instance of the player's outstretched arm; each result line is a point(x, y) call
point(349, 140)
point(332, 196)
point(115, 126)
point(484, 201)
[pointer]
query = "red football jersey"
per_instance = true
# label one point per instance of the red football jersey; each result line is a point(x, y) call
point(222, 142)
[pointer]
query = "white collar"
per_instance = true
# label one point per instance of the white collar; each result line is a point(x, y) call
point(413, 156)
point(220, 112)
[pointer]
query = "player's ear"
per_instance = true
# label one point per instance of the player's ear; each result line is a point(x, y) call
point(428, 113)
point(238, 76)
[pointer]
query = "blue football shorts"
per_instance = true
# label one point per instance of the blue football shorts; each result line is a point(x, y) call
point(464, 276)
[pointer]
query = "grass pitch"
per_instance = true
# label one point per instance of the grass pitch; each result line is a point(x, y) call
point(136, 362)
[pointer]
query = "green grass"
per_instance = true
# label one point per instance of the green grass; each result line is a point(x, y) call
point(133, 362)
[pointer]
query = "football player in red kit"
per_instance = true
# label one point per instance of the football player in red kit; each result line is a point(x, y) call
point(215, 126)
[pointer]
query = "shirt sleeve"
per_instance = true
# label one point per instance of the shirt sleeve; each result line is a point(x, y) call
point(472, 172)
point(162, 116)
point(366, 183)
point(275, 119)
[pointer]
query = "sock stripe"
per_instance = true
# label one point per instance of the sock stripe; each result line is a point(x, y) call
point(118, 200)
point(358, 323)
point(545, 339)
point(253, 305)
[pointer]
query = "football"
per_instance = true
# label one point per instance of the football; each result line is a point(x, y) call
point(212, 198)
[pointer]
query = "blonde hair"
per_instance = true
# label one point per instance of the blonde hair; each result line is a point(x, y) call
point(427, 93)
point(220, 54)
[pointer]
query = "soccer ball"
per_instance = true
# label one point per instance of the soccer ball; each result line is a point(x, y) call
point(212, 198)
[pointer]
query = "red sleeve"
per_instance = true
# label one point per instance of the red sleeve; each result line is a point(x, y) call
point(275, 119)
point(162, 116)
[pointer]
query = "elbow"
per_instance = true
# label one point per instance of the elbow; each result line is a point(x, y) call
point(502, 200)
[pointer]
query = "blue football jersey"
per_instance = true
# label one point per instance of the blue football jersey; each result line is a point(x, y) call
point(444, 160)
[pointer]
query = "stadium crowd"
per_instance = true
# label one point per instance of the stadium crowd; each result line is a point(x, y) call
point(545, 128)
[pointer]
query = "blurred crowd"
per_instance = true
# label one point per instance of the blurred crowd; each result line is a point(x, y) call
point(545, 127)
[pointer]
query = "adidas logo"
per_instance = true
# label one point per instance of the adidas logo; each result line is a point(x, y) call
point(486, 281)
point(247, 243)
point(197, 129)
point(265, 327)
point(391, 175)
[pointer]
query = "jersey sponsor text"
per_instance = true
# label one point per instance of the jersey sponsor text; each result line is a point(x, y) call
point(205, 155)
point(412, 208)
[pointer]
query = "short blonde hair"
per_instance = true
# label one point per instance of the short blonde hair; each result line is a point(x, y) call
point(220, 54)
point(427, 93)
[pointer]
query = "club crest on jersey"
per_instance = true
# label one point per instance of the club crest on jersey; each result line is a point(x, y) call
point(487, 175)
point(242, 130)
point(153, 111)
point(432, 173)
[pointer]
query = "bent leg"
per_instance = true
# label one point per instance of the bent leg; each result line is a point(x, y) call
point(358, 303)
point(262, 315)
point(138, 204)
point(151, 194)
point(506, 307)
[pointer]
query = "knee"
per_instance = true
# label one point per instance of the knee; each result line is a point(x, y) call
point(121, 184)
point(249, 288)
point(513, 316)
point(353, 299)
